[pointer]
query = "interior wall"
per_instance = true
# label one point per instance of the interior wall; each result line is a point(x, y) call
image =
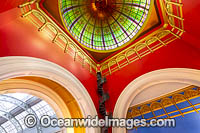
point(148, 80)
point(9, 4)
point(157, 90)
point(177, 54)
point(191, 17)
point(180, 53)
point(19, 37)
point(28, 69)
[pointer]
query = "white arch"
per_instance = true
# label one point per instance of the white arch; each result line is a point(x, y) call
point(18, 66)
point(170, 75)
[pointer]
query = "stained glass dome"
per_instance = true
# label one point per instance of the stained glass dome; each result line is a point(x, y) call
point(104, 24)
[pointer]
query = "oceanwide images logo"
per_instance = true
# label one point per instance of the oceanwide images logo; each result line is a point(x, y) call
point(47, 121)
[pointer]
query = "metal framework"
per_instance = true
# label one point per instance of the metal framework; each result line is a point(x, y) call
point(2, 129)
point(13, 120)
point(31, 106)
point(22, 105)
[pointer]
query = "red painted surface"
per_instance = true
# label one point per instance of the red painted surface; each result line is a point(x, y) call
point(19, 37)
point(9, 4)
point(184, 53)
point(42, 7)
point(191, 16)
point(176, 55)
point(191, 22)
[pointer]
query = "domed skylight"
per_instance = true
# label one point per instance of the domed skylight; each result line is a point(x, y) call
point(104, 24)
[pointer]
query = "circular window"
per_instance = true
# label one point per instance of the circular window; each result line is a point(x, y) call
point(104, 24)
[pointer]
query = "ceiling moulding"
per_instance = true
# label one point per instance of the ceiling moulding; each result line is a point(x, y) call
point(172, 29)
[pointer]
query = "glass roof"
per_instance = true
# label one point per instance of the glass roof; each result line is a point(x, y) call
point(14, 107)
point(10, 106)
point(104, 24)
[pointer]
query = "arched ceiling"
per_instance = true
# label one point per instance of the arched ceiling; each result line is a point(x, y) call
point(104, 24)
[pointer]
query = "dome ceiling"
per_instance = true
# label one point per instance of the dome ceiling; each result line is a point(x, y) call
point(102, 25)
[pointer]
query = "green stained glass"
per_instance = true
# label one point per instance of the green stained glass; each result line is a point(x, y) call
point(104, 24)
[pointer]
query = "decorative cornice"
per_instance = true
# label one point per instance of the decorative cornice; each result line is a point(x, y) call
point(161, 103)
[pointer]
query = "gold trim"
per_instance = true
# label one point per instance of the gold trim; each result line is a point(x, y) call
point(169, 32)
point(44, 23)
point(156, 37)
point(161, 103)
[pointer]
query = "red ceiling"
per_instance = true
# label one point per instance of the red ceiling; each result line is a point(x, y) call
point(18, 37)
